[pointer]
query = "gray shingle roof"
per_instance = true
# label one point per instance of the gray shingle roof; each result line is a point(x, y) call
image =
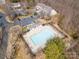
point(25, 21)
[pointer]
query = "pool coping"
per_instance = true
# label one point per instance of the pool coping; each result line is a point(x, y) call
point(28, 40)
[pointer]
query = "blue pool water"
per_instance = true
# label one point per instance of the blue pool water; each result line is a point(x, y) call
point(42, 37)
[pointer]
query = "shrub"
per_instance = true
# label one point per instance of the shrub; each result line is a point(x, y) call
point(15, 1)
point(30, 1)
point(74, 35)
point(54, 49)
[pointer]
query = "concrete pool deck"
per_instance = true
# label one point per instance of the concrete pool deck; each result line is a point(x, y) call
point(34, 33)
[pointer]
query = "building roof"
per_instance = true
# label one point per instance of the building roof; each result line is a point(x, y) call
point(25, 21)
point(15, 5)
point(44, 9)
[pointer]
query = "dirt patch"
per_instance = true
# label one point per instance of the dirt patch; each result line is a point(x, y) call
point(17, 48)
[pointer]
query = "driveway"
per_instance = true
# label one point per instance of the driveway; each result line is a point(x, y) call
point(4, 25)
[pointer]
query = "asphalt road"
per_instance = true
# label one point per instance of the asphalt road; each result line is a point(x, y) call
point(4, 25)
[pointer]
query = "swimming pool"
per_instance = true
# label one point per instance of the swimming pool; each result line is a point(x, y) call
point(42, 37)
point(38, 37)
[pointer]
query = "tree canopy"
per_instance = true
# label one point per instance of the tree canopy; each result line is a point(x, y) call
point(55, 49)
point(30, 0)
point(15, 1)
